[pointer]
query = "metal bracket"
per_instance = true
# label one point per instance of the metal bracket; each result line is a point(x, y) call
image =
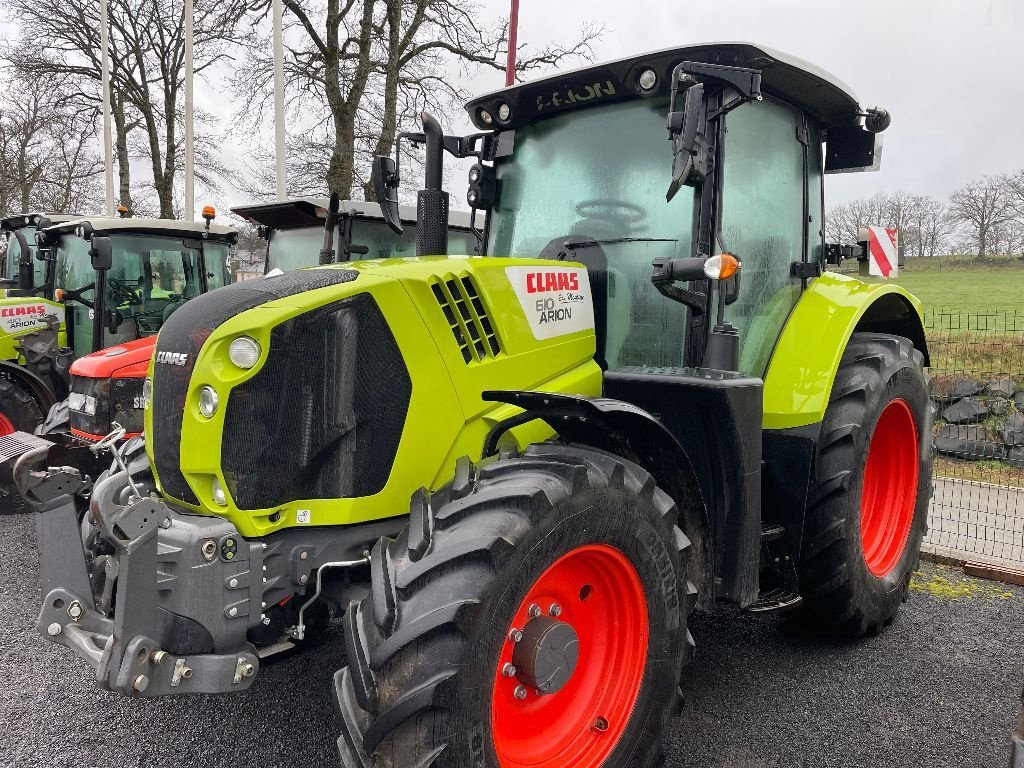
point(805, 270)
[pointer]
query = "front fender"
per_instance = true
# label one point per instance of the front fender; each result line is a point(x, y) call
point(803, 366)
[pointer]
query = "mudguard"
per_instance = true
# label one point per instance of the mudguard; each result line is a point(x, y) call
point(806, 357)
point(629, 431)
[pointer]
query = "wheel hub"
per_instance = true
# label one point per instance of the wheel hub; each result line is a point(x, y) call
point(546, 656)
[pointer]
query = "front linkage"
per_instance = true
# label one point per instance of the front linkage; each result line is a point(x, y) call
point(127, 581)
point(109, 611)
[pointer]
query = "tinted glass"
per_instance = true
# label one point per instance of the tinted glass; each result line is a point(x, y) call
point(295, 248)
point(762, 222)
point(601, 174)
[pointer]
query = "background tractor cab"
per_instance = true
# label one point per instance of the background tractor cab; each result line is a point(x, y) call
point(121, 279)
point(21, 271)
point(294, 231)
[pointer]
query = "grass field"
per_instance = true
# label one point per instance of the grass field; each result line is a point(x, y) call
point(965, 283)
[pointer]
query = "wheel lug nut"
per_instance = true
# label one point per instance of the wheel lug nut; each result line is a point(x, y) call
point(520, 692)
point(601, 724)
point(533, 610)
point(515, 635)
point(509, 670)
point(555, 610)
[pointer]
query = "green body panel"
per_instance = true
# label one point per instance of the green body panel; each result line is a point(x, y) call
point(16, 311)
point(803, 366)
point(447, 418)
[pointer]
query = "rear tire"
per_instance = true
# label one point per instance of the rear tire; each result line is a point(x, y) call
point(19, 412)
point(868, 501)
point(428, 646)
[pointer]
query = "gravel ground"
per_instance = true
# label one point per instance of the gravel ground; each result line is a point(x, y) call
point(940, 687)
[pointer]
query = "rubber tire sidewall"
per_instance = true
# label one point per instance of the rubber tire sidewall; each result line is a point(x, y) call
point(614, 520)
point(876, 600)
point(19, 406)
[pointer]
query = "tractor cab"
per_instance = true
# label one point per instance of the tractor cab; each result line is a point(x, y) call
point(21, 271)
point(632, 166)
point(294, 231)
point(122, 278)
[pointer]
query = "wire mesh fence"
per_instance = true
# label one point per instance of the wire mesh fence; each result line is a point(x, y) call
point(977, 369)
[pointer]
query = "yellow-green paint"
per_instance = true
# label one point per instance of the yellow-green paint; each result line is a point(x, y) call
point(447, 418)
point(806, 357)
point(9, 340)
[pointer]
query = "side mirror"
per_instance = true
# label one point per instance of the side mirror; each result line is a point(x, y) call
point(385, 185)
point(102, 253)
point(691, 152)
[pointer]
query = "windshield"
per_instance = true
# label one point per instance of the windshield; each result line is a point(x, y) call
point(150, 278)
point(601, 174)
point(12, 256)
point(295, 248)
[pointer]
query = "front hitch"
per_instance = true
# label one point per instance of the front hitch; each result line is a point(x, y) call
point(124, 646)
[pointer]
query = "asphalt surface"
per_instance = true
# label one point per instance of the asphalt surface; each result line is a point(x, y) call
point(938, 688)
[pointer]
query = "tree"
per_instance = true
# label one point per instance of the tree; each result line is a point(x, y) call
point(61, 39)
point(360, 70)
point(49, 158)
point(984, 205)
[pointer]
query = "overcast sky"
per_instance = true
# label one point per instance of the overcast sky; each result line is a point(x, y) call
point(949, 71)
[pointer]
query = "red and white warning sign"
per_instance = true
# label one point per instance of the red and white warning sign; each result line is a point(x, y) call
point(883, 251)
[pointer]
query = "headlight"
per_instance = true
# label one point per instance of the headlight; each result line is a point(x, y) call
point(218, 493)
point(208, 401)
point(82, 403)
point(244, 352)
point(147, 392)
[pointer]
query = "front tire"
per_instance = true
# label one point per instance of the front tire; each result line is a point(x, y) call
point(868, 500)
point(563, 544)
point(19, 412)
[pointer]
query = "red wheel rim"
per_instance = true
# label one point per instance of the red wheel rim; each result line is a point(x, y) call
point(599, 594)
point(889, 492)
point(6, 427)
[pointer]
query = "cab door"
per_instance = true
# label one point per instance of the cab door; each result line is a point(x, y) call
point(765, 195)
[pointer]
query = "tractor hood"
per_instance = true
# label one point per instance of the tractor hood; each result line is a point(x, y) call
point(125, 361)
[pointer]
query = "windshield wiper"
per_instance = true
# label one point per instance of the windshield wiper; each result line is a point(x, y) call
point(616, 240)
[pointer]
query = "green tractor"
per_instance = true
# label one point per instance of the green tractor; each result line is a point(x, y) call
point(20, 271)
point(515, 476)
point(93, 294)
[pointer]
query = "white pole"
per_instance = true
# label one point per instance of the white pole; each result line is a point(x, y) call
point(279, 134)
point(190, 191)
point(108, 150)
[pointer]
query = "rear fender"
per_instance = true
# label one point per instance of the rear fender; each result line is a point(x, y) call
point(803, 366)
point(633, 433)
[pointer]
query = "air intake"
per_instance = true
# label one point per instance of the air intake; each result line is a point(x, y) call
point(468, 318)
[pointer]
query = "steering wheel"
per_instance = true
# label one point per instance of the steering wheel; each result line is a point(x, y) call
point(609, 209)
point(123, 290)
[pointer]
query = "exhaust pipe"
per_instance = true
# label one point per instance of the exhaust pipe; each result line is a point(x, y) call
point(432, 201)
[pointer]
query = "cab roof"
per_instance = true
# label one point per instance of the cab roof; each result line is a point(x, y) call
point(18, 221)
point(311, 211)
point(105, 225)
point(786, 77)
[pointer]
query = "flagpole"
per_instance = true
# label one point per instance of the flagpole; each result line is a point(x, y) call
point(280, 148)
point(513, 34)
point(108, 153)
point(190, 191)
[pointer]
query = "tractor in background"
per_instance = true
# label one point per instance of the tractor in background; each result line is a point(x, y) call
point(514, 476)
point(100, 287)
point(20, 271)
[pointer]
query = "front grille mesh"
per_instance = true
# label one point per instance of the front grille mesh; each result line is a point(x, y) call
point(185, 332)
point(323, 417)
point(467, 317)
